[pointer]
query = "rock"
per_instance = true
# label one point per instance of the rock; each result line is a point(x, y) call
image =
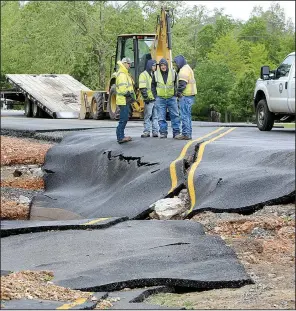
point(167, 208)
point(17, 173)
point(37, 172)
point(23, 200)
point(183, 195)
point(260, 233)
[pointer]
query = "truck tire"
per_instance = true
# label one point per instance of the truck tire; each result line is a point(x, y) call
point(264, 118)
point(112, 108)
point(28, 108)
point(97, 106)
point(36, 111)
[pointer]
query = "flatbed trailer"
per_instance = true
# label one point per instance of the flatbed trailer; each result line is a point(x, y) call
point(54, 95)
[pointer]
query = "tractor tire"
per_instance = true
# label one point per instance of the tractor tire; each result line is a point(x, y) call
point(36, 111)
point(28, 108)
point(112, 108)
point(264, 118)
point(97, 106)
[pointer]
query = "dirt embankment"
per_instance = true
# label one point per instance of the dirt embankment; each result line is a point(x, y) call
point(263, 241)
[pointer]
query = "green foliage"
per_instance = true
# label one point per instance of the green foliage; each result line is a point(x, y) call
point(241, 96)
point(213, 88)
point(227, 50)
point(79, 38)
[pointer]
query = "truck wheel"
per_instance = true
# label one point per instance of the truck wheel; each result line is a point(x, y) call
point(36, 111)
point(112, 108)
point(28, 107)
point(264, 118)
point(97, 106)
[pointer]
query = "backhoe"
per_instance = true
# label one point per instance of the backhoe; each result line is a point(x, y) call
point(139, 48)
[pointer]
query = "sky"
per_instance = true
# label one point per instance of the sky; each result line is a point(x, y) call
point(242, 9)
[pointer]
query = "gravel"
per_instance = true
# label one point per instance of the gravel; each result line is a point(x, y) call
point(13, 194)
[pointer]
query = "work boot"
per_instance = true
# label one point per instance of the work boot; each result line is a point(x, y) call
point(178, 136)
point(182, 137)
point(124, 140)
point(155, 135)
point(163, 136)
point(145, 134)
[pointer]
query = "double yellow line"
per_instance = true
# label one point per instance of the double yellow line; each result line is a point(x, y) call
point(173, 172)
point(202, 146)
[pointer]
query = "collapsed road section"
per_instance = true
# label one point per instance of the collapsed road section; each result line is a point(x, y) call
point(222, 169)
point(171, 253)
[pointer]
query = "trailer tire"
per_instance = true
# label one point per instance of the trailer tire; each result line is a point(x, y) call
point(264, 118)
point(28, 108)
point(36, 111)
point(97, 106)
point(112, 108)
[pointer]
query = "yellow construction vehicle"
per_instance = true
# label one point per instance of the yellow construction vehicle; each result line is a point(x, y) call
point(139, 48)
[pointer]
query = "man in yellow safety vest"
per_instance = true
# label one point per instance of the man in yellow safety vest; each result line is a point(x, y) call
point(124, 97)
point(186, 91)
point(164, 82)
point(150, 113)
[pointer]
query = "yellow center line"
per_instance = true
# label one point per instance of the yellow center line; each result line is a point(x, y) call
point(95, 221)
point(77, 302)
point(202, 146)
point(173, 172)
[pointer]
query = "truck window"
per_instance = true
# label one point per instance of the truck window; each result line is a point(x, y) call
point(144, 52)
point(284, 68)
point(129, 49)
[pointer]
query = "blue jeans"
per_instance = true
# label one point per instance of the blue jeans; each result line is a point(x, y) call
point(123, 118)
point(150, 114)
point(186, 103)
point(171, 104)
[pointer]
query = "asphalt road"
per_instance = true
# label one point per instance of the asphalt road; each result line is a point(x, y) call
point(89, 177)
point(226, 168)
point(130, 254)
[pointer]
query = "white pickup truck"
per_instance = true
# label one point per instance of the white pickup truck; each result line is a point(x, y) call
point(274, 96)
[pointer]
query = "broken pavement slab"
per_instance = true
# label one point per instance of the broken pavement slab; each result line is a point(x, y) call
point(129, 254)
point(85, 172)
point(12, 227)
point(237, 174)
point(89, 175)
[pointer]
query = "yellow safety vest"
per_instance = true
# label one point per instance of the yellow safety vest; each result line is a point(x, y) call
point(165, 90)
point(124, 83)
point(145, 81)
point(186, 74)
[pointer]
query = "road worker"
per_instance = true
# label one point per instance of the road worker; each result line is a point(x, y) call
point(150, 112)
point(125, 96)
point(186, 91)
point(164, 81)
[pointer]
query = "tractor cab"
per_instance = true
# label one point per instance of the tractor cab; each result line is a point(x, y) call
point(138, 48)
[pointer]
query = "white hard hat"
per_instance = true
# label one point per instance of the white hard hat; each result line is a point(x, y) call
point(126, 60)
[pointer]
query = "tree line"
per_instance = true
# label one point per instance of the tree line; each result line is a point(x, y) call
point(79, 38)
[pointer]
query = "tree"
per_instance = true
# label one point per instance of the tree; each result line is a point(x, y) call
point(241, 96)
point(257, 57)
point(227, 50)
point(214, 82)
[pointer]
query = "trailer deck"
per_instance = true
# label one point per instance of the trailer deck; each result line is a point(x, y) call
point(56, 94)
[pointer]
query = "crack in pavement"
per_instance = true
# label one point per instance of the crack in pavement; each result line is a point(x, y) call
point(172, 244)
point(129, 158)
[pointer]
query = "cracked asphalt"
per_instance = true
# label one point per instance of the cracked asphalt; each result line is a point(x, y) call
point(89, 176)
point(233, 169)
